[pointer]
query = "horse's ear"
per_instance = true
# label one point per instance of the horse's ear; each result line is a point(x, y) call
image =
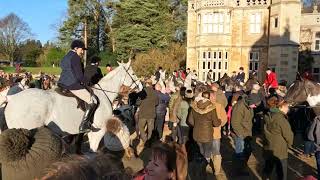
point(129, 62)
point(299, 77)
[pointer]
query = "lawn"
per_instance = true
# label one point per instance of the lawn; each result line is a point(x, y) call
point(37, 70)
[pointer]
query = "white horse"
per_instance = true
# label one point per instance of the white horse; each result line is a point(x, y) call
point(34, 108)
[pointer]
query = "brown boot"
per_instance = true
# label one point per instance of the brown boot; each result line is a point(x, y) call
point(217, 160)
point(140, 147)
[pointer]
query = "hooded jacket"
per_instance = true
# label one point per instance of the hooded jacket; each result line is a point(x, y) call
point(25, 154)
point(278, 134)
point(203, 117)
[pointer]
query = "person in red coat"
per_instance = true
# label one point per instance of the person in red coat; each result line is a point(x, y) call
point(307, 75)
point(271, 80)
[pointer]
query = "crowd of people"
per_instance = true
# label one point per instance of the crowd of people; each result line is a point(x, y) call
point(177, 118)
point(168, 120)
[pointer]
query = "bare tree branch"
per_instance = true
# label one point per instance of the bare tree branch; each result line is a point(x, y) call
point(13, 30)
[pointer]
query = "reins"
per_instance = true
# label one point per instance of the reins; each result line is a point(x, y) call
point(107, 91)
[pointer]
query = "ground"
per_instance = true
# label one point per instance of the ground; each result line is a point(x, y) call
point(297, 167)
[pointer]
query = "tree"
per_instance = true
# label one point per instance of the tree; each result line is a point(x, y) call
point(141, 25)
point(170, 58)
point(146, 24)
point(89, 15)
point(29, 51)
point(13, 31)
point(52, 55)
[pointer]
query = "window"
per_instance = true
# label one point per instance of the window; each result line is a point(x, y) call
point(254, 61)
point(219, 65)
point(255, 23)
point(226, 55)
point(213, 23)
point(317, 43)
point(218, 23)
point(203, 76)
point(209, 55)
point(227, 24)
point(208, 65)
point(214, 65)
point(220, 55)
point(226, 65)
point(203, 65)
point(316, 73)
point(276, 22)
point(199, 24)
point(204, 55)
point(215, 55)
point(219, 75)
point(214, 76)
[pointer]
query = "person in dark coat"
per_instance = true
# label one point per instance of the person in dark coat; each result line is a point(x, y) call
point(241, 75)
point(158, 74)
point(93, 73)
point(161, 109)
point(203, 117)
point(241, 121)
point(147, 113)
point(279, 137)
point(72, 78)
point(314, 136)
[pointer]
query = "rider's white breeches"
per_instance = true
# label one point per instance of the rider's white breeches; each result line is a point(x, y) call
point(83, 94)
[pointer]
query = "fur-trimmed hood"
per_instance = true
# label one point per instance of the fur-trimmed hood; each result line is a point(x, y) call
point(202, 106)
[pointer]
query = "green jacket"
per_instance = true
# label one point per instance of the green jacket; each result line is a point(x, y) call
point(203, 117)
point(278, 134)
point(241, 119)
point(221, 98)
point(182, 113)
point(147, 108)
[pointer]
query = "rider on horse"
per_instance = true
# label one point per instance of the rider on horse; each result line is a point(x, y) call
point(72, 78)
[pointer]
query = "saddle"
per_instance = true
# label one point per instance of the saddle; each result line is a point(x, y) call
point(65, 92)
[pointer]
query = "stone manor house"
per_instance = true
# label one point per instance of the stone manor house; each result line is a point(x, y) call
point(224, 35)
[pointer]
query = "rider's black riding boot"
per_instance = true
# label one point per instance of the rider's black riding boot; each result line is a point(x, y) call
point(85, 125)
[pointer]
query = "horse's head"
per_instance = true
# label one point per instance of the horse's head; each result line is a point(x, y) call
point(303, 90)
point(248, 85)
point(129, 78)
point(297, 93)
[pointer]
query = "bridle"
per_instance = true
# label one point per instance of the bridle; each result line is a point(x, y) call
point(107, 91)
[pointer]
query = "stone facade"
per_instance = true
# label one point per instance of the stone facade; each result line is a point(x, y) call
point(310, 38)
point(224, 35)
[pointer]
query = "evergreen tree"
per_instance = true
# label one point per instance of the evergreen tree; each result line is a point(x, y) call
point(142, 25)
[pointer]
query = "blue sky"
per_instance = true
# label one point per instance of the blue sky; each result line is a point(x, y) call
point(41, 15)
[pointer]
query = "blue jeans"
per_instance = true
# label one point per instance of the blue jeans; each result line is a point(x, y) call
point(216, 147)
point(309, 147)
point(239, 145)
point(243, 147)
point(318, 163)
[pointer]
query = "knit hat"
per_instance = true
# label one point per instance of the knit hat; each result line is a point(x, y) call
point(117, 137)
point(254, 99)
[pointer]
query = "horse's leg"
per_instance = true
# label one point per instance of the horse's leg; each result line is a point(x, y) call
point(95, 138)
